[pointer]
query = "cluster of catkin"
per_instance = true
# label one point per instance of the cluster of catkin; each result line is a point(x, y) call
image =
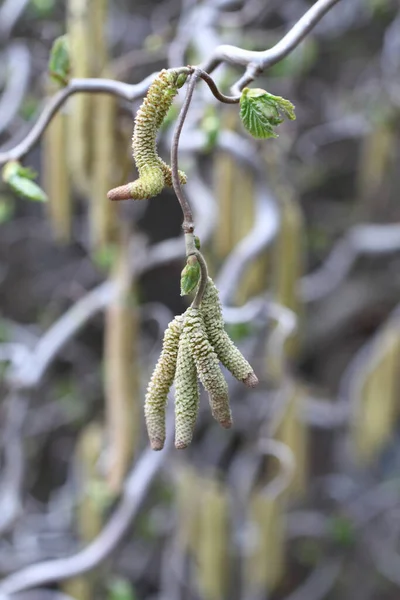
point(194, 345)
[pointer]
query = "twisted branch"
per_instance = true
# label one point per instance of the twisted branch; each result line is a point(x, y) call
point(255, 63)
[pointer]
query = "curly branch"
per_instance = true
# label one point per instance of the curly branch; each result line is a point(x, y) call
point(255, 63)
point(99, 86)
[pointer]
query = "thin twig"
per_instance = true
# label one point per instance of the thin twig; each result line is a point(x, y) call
point(257, 62)
point(136, 489)
point(214, 89)
point(188, 224)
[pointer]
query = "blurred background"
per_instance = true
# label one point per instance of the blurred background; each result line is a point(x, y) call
point(300, 500)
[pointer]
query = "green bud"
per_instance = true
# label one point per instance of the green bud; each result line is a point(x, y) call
point(181, 80)
point(197, 242)
point(190, 275)
point(59, 61)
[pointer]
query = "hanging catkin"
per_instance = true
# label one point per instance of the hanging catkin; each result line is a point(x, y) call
point(154, 173)
point(227, 352)
point(186, 393)
point(207, 365)
point(160, 382)
point(193, 346)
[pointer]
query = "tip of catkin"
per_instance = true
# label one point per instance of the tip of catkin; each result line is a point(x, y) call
point(156, 444)
point(226, 424)
point(180, 445)
point(251, 380)
point(123, 192)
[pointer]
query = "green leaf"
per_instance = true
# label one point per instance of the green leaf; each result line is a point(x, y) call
point(59, 61)
point(261, 112)
point(19, 179)
point(14, 168)
point(190, 276)
point(27, 188)
point(197, 242)
point(26, 172)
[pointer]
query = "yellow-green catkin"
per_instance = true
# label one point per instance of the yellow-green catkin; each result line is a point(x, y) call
point(214, 543)
point(154, 173)
point(160, 383)
point(265, 561)
point(207, 365)
point(227, 352)
point(186, 393)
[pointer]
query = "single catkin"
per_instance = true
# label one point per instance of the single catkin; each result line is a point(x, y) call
point(154, 173)
point(186, 393)
point(208, 368)
point(160, 383)
point(227, 352)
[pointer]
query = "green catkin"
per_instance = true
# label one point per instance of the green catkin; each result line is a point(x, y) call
point(160, 383)
point(154, 173)
point(186, 394)
point(228, 354)
point(207, 365)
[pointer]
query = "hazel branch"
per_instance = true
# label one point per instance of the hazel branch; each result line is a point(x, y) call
point(188, 224)
point(255, 63)
point(75, 86)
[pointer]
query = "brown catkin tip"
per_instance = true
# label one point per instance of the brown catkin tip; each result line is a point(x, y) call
point(251, 380)
point(156, 444)
point(180, 445)
point(123, 192)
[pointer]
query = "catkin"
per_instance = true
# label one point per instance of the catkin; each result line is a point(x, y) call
point(160, 382)
point(207, 365)
point(227, 352)
point(193, 346)
point(186, 393)
point(154, 173)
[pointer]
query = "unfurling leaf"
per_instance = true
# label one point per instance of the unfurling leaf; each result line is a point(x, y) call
point(261, 112)
point(197, 242)
point(190, 276)
point(59, 61)
point(19, 179)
